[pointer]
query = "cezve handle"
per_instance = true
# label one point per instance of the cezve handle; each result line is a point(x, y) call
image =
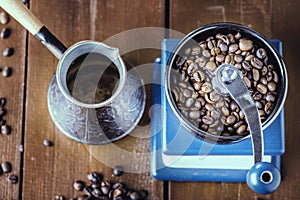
point(30, 22)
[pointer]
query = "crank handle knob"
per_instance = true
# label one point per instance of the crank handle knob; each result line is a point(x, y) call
point(263, 178)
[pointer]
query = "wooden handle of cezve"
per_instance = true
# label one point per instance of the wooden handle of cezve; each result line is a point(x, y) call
point(29, 21)
point(21, 13)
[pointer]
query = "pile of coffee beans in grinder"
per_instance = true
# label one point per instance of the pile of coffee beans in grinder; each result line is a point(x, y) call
point(193, 92)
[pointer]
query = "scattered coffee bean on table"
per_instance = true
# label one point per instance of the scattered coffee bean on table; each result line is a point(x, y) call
point(118, 170)
point(106, 190)
point(2, 102)
point(5, 33)
point(5, 129)
point(21, 148)
point(6, 167)
point(193, 92)
point(7, 71)
point(48, 143)
point(59, 198)
point(13, 179)
point(95, 177)
point(4, 18)
point(9, 51)
point(79, 185)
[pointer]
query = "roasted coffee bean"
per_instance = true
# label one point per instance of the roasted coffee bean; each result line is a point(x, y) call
point(249, 57)
point(21, 148)
point(256, 75)
point(48, 143)
point(3, 112)
point(275, 77)
point(105, 190)
point(231, 119)
point(187, 93)
point(94, 177)
point(233, 105)
point(180, 61)
point(262, 88)
point(231, 38)
point(118, 170)
point(247, 82)
point(4, 18)
point(241, 129)
point(206, 53)
point(7, 71)
point(96, 192)
point(238, 58)
point(269, 76)
point(270, 97)
point(8, 52)
point(225, 111)
point(223, 47)
point(5, 33)
point(209, 107)
point(210, 66)
point(207, 120)
point(264, 71)
point(203, 44)
point(58, 197)
point(215, 51)
point(238, 124)
point(5, 129)
point(257, 96)
point(241, 114)
point(134, 196)
point(199, 76)
point(6, 167)
point(2, 102)
point(197, 86)
point(237, 36)
point(261, 53)
point(214, 96)
point(220, 58)
point(195, 114)
point(233, 48)
point(79, 185)
point(201, 62)
point(215, 114)
point(245, 45)
point(206, 87)
point(246, 65)
point(258, 104)
point(268, 107)
point(272, 86)
point(263, 80)
point(189, 102)
point(83, 197)
point(2, 122)
point(255, 62)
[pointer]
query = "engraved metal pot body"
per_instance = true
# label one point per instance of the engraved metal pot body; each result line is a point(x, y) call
point(103, 122)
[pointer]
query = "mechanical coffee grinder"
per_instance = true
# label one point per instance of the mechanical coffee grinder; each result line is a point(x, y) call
point(182, 151)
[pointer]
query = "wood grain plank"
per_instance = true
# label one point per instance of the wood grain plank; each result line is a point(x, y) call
point(285, 26)
point(51, 171)
point(188, 15)
point(12, 88)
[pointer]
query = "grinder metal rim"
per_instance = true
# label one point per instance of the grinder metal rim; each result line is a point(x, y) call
point(209, 30)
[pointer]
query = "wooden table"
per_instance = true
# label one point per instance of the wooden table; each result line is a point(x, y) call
point(48, 171)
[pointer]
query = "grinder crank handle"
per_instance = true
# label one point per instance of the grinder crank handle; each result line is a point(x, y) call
point(30, 22)
point(263, 177)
